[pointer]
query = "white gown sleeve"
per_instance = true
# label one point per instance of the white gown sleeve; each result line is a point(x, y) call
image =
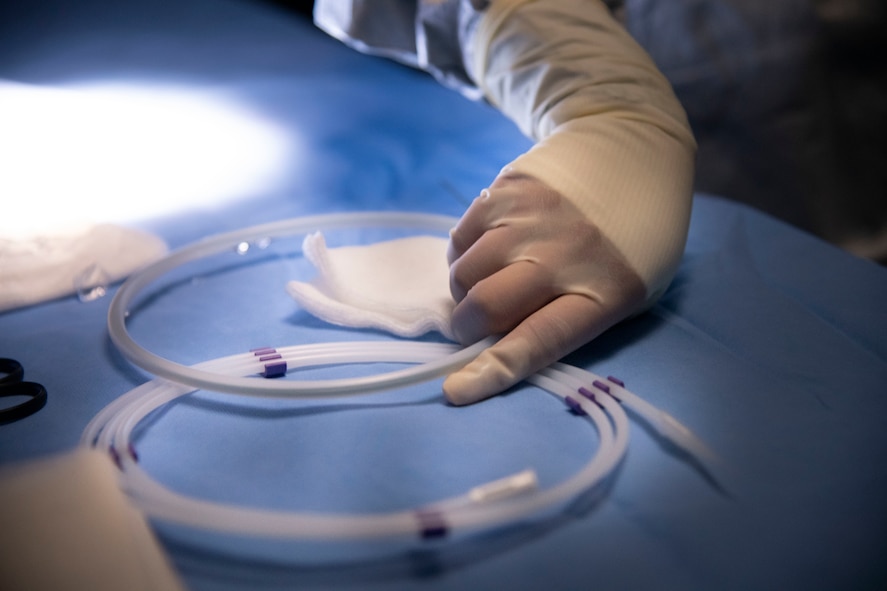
point(610, 134)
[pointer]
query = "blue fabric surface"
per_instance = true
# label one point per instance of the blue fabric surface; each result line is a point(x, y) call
point(769, 345)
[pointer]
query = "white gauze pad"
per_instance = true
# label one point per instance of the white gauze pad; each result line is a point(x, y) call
point(398, 286)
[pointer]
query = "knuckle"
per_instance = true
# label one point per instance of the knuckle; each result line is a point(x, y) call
point(468, 325)
point(465, 271)
point(459, 285)
point(458, 244)
point(492, 312)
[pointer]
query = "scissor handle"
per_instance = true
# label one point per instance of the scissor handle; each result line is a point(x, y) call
point(12, 385)
point(13, 370)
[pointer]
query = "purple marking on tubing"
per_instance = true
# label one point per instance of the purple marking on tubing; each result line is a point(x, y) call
point(263, 351)
point(132, 452)
point(432, 524)
point(601, 386)
point(588, 394)
point(115, 455)
point(574, 405)
point(617, 382)
point(270, 357)
point(274, 370)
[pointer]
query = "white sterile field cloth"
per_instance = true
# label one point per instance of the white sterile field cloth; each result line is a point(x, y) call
point(400, 286)
point(37, 268)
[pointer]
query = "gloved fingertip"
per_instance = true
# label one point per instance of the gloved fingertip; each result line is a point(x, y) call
point(464, 387)
point(480, 379)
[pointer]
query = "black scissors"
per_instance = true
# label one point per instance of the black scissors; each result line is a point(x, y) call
point(12, 384)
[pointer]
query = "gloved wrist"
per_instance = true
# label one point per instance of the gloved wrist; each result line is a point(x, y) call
point(611, 136)
point(630, 179)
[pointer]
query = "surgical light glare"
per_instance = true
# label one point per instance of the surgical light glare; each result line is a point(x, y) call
point(123, 152)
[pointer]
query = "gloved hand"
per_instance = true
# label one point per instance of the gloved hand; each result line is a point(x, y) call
point(524, 261)
point(587, 227)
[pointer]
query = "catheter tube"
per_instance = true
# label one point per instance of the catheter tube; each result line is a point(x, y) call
point(663, 423)
point(113, 427)
point(203, 379)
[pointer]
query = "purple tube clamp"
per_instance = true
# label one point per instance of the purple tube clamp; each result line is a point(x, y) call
point(432, 525)
point(616, 381)
point(574, 405)
point(274, 370)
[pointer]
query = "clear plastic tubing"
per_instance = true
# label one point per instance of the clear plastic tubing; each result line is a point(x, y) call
point(515, 498)
point(200, 377)
point(666, 425)
point(586, 394)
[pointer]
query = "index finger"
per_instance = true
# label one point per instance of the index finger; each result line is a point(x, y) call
point(547, 335)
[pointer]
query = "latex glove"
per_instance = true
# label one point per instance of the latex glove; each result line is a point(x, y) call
point(524, 261)
point(587, 227)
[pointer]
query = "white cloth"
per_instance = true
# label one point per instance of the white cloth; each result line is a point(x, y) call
point(67, 525)
point(399, 286)
point(40, 268)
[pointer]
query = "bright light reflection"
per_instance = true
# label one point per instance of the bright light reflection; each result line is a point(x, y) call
point(122, 152)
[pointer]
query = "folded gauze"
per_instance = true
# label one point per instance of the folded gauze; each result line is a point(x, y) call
point(399, 286)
